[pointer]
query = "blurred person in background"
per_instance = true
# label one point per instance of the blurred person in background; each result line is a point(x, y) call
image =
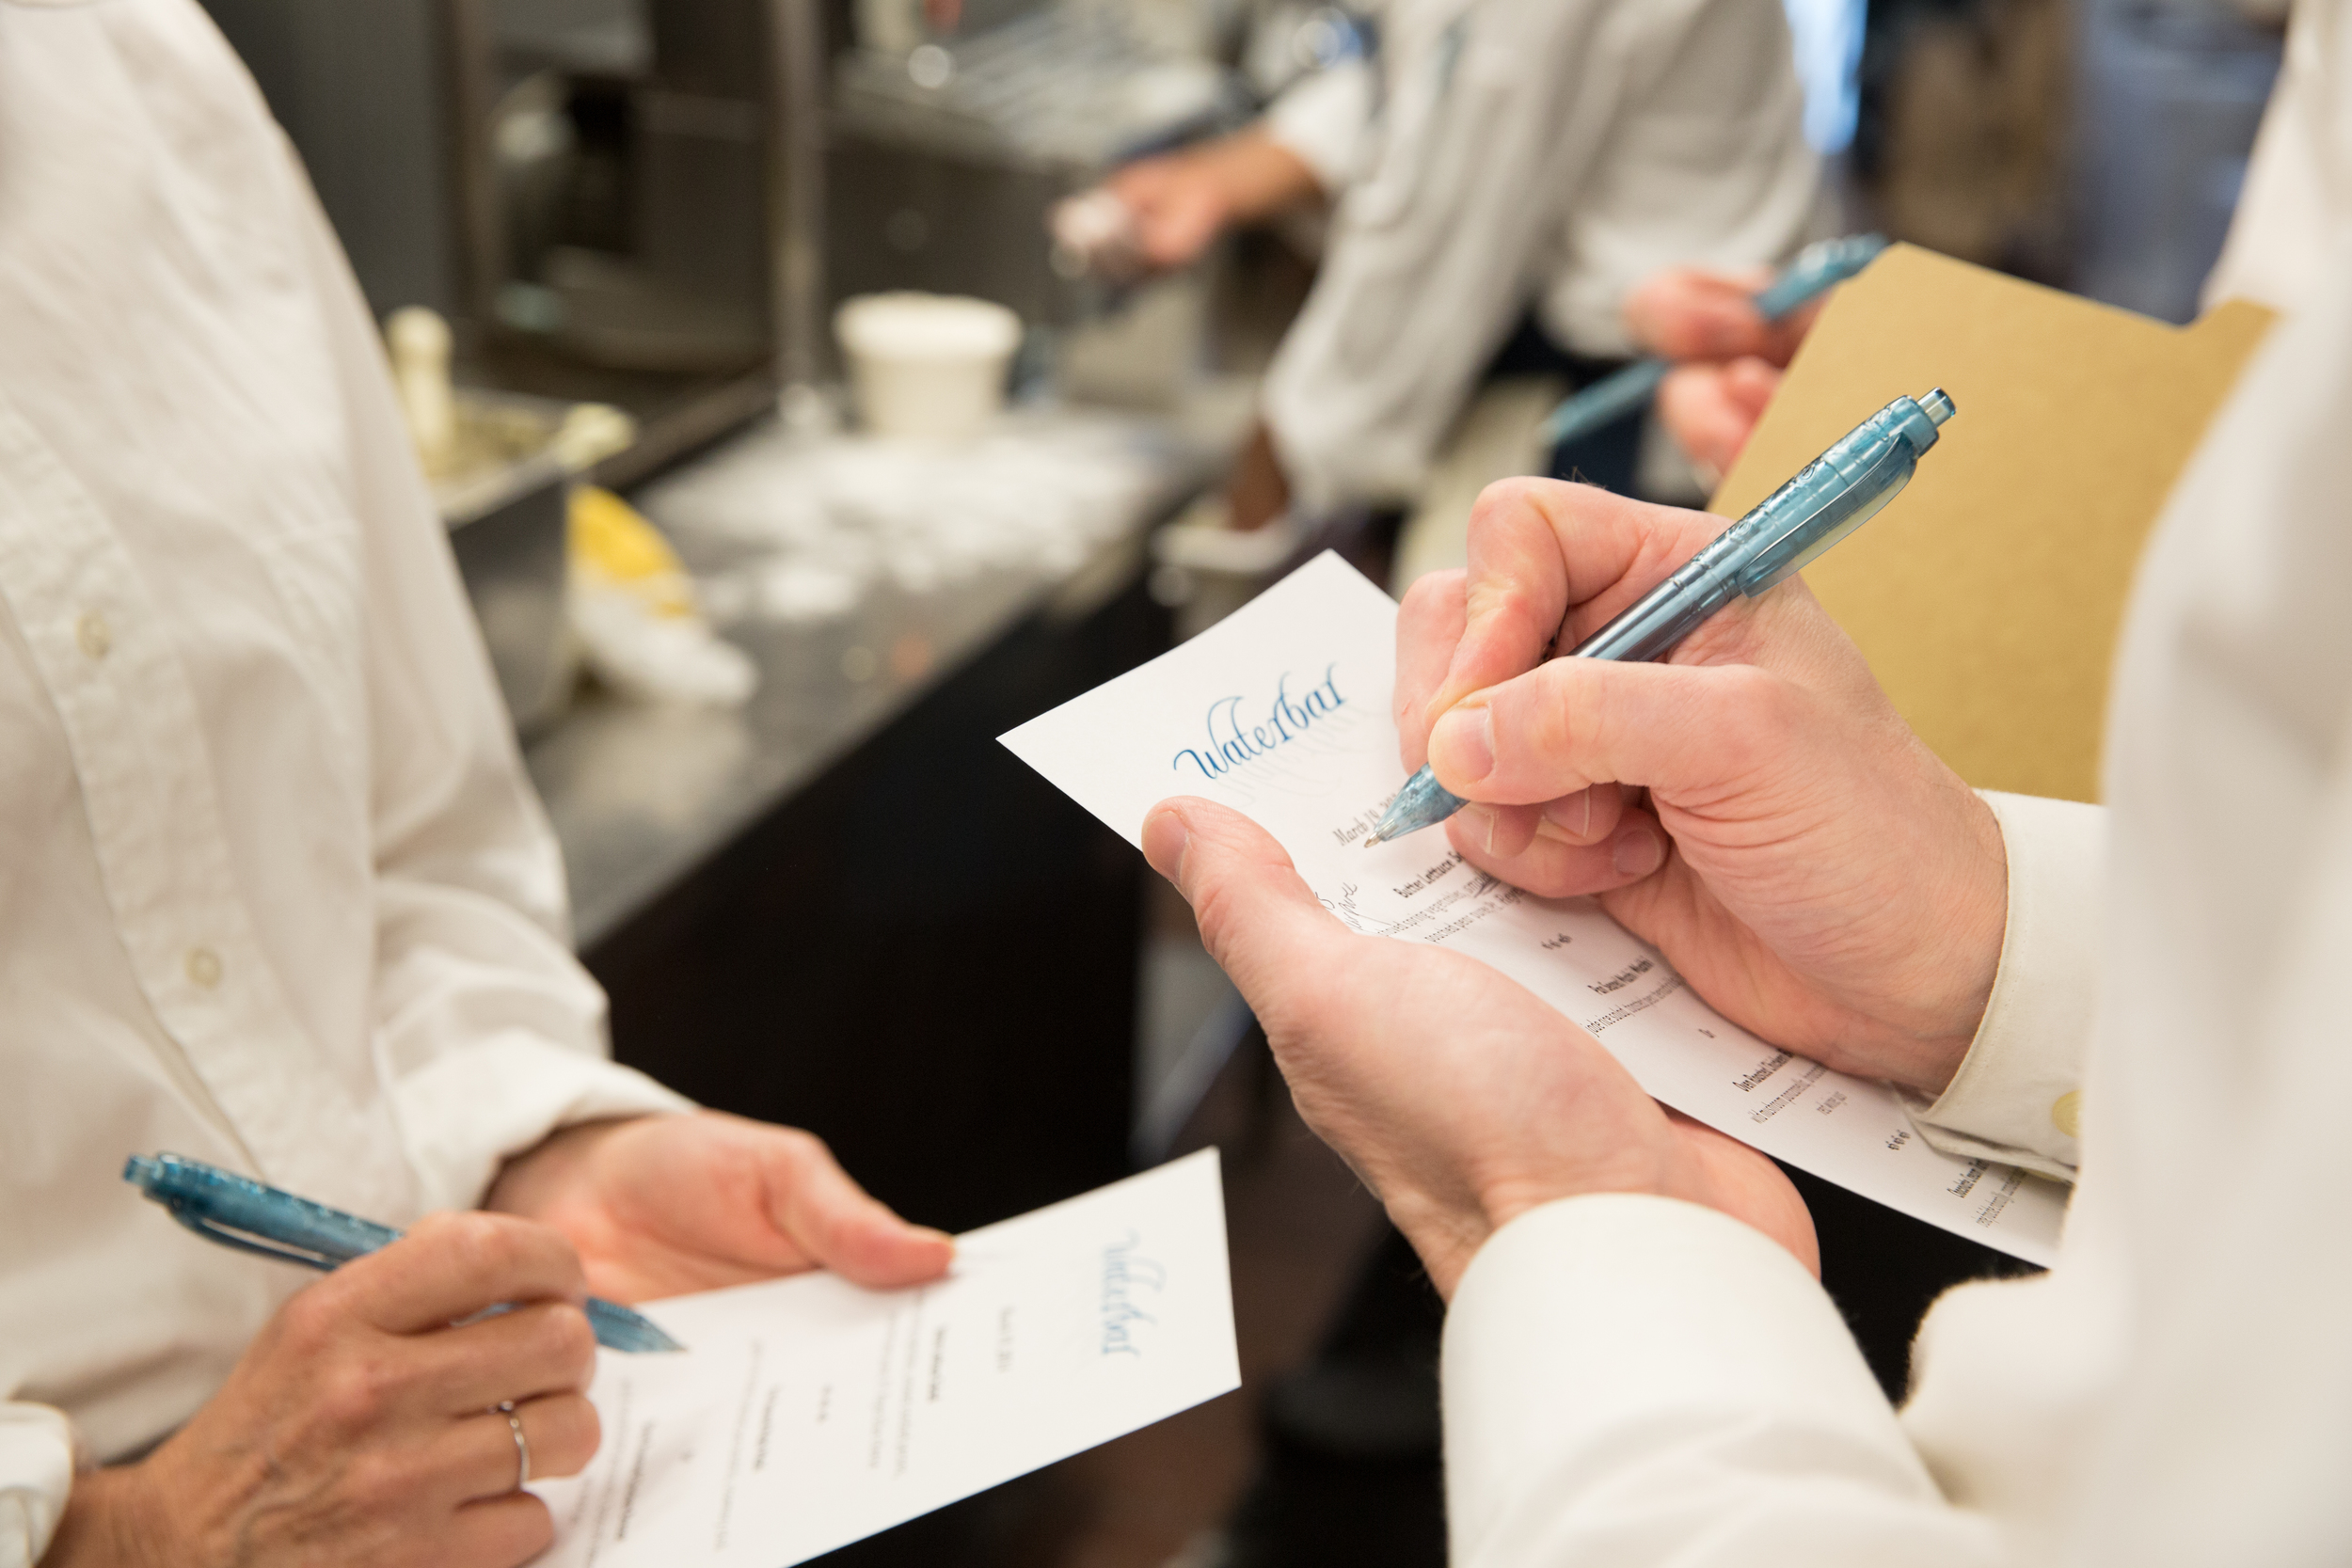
point(1503, 174)
point(2294, 211)
point(275, 893)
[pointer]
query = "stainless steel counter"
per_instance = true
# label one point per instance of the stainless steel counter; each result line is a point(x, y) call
point(642, 794)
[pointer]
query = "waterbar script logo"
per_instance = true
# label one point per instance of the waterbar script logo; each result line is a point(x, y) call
point(1230, 744)
point(1125, 1273)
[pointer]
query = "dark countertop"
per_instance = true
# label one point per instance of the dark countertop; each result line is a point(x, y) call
point(640, 794)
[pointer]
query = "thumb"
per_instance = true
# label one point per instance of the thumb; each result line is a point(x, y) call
point(841, 1226)
point(1258, 917)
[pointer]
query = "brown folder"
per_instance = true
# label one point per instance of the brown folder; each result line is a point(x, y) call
point(1989, 596)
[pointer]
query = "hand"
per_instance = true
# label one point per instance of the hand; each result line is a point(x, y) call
point(1180, 206)
point(1729, 357)
point(1686, 313)
point(666, 1204)
point(359, 1427)
point(1812, 868)
point(1257, 491)
point(1460, 1099)
point(1182, 201)
point(1711, 409)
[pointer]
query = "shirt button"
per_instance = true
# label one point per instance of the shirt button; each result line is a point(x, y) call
point(204, 967)
point(90, 631)
point(2066, 1112)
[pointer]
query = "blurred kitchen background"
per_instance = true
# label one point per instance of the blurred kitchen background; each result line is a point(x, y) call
point(757, 659)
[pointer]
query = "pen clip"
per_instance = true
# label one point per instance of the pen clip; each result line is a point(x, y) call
point(221, 1233)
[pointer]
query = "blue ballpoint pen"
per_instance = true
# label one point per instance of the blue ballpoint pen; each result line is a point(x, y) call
point(235, 1210)
point(1817, 269)
point(1831, 497)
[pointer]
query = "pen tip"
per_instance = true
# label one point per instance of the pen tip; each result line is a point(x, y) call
point(1372, 840)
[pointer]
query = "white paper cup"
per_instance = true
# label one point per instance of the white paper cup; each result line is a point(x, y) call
point(929, 366)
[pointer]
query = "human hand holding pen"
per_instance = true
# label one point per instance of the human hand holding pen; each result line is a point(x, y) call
point(1752, 806)
point(1711, 408)
point(1684, 313)
point(1729, 358)
point(361, 1425)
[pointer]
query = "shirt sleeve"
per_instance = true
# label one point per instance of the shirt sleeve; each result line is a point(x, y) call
point(490, 1033)
point(2017, 1095)
point(1322, 118)
point(1635, 1380)
point(36, 1476)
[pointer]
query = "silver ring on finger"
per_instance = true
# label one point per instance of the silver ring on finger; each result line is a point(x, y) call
point(522, 1444)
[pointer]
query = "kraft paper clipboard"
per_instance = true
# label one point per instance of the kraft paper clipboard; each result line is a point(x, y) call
point(1988, 597)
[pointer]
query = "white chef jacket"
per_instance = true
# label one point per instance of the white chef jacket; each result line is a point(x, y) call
point(274, 890)
point(1557, 151)
point(1632, 1379)
point(2295, 213)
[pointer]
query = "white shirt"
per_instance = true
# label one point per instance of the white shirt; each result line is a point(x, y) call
point(1636, 1381)
point(1557, 151)
point(2295, 213)
point(274, 892)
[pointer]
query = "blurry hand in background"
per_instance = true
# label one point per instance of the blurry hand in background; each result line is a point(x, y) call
point(1686, 313)
point(1711, 409)
point(1182, 201)
point(1728, 357)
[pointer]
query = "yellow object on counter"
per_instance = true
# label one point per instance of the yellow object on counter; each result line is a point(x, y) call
point(633, 612)
point(612, 546)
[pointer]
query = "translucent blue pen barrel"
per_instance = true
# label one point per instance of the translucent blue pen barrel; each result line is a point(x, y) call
point(197, 1192)
point(1606, 401)
point(1831, 497)
point(1817, 268)
point(236, 1210)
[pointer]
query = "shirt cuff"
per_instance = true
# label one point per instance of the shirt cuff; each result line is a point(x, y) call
point(1625, 1372)
point(36, 1476)
point(469, 1111)
point(2017, 1095)
point(1321, 120)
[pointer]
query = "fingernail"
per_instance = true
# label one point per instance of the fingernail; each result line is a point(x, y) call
point(931, 1233)
point(1467, 735)
point(1165, 837)
point(1637, 853)
point(1482, 822)
point(1567, 821)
